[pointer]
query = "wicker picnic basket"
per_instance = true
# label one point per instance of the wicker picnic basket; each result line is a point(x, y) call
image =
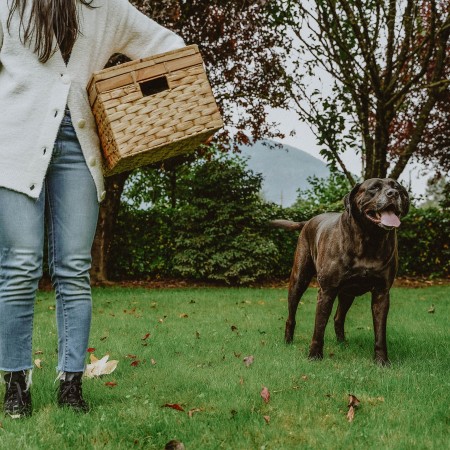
point(152, 109)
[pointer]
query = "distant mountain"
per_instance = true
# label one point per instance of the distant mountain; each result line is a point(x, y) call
point(285, 169)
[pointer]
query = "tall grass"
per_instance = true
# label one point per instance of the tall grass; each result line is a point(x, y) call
point(198, 340)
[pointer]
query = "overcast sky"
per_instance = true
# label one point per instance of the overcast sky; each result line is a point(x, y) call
point(305, 140)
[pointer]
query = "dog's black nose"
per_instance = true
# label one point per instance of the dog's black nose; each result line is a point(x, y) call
point(392, 193)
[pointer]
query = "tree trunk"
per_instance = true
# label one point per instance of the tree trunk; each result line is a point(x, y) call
point(109, 210)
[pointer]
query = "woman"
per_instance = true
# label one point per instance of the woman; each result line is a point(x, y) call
point(50, 171)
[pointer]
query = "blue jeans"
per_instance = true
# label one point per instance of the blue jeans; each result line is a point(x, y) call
point(68, 205)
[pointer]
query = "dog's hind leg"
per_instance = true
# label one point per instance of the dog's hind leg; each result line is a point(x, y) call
point(325, 302)
point(345, 301)
point(301, 275)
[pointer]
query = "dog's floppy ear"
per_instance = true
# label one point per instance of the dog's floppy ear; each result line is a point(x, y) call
point(348, 199)
point(405, 199)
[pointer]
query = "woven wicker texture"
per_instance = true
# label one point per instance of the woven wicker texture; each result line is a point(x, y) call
point(137, 129)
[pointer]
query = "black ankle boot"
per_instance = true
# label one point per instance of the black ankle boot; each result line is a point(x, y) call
point(70, 393)
point(17, 397)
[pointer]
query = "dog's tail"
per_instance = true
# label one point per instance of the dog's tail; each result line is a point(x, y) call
point(287, 224)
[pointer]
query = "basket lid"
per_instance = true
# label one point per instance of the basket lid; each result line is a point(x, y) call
point(120, 75)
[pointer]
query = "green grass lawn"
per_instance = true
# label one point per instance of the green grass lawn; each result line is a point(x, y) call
point(198, 340)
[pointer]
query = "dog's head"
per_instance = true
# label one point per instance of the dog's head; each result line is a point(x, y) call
point(378, 202)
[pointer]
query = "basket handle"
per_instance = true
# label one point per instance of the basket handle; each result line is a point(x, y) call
point(154, 86)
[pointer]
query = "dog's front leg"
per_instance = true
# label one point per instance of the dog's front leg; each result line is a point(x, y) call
point(324, 306)
point(380, 309)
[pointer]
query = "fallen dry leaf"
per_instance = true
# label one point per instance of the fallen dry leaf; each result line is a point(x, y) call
point(353, 402)
point(183, 316)
point(194, 410)
point(99, 367)
point(111, 384)
point(130, 356)
point(265, 394)
point(234, 328)
point(38, 363)
point(145, 337)
point(174, 445)
point(135, 363)
point(248, 360)
point(91, 350)
point(153, 362)
point(267, 419)
point(304, 377)
point(173, 406)
point(351, 414)
point(38, 352)
point(431, 309)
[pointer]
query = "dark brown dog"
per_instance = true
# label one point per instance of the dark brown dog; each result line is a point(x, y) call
point(351, 253)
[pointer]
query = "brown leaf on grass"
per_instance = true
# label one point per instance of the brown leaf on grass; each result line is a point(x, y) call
point(265, 394)
point(130, 356)
point(38, 352)
point(173, 406)
point(351, 414)
point(431, 309)
point(234, 328)
point(353, 402)
point(38, 363)
point(267, 419)
point(238, 355)
point(249, 360)
point(145, 337)
point(153, 362)
point(192, 411)
point(183, 316)
point(304, 377)
point(174, 445)
point(135, 363)
point(91, 350)
point(111, 384)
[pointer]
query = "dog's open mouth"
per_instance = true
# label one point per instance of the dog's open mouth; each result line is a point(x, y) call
point(387, 218)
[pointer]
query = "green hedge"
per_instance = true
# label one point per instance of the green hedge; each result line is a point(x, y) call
point(424, 243)
point(179, 244)
point(212, 225)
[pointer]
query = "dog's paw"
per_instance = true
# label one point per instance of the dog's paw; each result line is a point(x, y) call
point(315, 355)
point(382, 361)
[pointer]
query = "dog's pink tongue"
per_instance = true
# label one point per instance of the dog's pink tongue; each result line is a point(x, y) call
point(389, 219)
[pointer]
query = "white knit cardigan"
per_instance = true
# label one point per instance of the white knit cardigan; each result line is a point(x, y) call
point(33, 95)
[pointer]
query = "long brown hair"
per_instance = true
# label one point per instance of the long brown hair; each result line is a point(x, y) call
point(48, 18)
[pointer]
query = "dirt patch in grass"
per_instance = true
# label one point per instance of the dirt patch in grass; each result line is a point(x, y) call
point(412, 282)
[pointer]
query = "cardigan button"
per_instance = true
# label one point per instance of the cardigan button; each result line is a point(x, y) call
point(81, 123)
